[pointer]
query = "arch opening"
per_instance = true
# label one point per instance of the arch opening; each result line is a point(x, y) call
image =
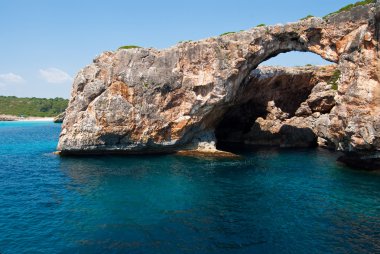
point(294, 59)
point(275, 104)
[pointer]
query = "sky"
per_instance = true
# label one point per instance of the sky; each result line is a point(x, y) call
point(44, 43)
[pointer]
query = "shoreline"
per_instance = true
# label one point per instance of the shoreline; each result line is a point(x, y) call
point(11, 118)
point(36, 119)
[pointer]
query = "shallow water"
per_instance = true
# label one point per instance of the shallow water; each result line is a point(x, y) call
point(271, 201)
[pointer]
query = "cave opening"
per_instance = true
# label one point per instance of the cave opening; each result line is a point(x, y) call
point(274, 106)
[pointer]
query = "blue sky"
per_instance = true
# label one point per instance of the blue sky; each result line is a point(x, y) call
point(44, 43)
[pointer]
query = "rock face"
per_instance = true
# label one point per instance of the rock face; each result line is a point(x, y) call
point(59, 118)
point(150, 101)
point(8, 118)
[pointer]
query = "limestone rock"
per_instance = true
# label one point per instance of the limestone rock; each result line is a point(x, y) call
point(322, 98)
point(8, 118)
point(277, 112)
point(303, 110)
point(59, 118)
point(148, 100)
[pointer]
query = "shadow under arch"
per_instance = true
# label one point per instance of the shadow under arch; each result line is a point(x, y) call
point(285, 89)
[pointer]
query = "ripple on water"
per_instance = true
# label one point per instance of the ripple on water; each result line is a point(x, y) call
point(271, 201)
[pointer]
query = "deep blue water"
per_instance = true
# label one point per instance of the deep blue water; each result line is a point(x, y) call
point(272, 201)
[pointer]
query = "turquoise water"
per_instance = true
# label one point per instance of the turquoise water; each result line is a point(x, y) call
point(272, 201)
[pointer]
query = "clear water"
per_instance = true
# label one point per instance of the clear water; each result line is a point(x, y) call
point(272, 201)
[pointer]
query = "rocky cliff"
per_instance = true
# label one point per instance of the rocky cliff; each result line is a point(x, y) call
point(152, 101)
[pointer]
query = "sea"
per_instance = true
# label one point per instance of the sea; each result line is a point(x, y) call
point(268, 201)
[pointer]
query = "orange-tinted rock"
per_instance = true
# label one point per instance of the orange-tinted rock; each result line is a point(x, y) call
point(148, 100)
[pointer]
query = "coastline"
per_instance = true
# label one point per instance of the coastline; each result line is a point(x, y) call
point(36, 119)
point(11, 118)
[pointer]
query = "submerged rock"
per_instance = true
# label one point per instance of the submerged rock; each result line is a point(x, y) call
point(153, 101)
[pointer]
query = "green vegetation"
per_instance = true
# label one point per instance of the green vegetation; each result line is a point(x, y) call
point(350, 6)
point(260, 25)
point(227, 33)
point(185, 41)
point(129, 47)
point(11, 105)
point(307, 17)
point(334, 79)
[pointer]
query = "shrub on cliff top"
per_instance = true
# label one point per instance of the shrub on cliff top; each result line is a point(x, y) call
point(227, 33)
point(307, 17)
point(260, 25)
point(350, 6)
point(185, 41)
point(129, 47)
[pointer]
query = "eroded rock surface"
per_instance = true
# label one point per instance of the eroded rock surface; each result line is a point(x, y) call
point(147, 100)
point(286, 107)
point(59, 118)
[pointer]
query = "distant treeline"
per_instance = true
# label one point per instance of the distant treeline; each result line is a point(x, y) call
point(11, 105)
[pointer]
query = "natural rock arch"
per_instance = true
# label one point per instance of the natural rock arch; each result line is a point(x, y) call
point(146, 100)
point(280, 106)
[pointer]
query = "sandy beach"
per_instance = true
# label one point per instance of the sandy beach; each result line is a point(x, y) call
point(36, 119)
point(26, 119)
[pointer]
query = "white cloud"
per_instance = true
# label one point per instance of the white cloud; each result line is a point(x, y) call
point(8, 78)
point(55, 76)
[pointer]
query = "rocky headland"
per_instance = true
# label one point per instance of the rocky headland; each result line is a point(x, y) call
point(196, 94)
point(8, 118)
point(59, 118)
